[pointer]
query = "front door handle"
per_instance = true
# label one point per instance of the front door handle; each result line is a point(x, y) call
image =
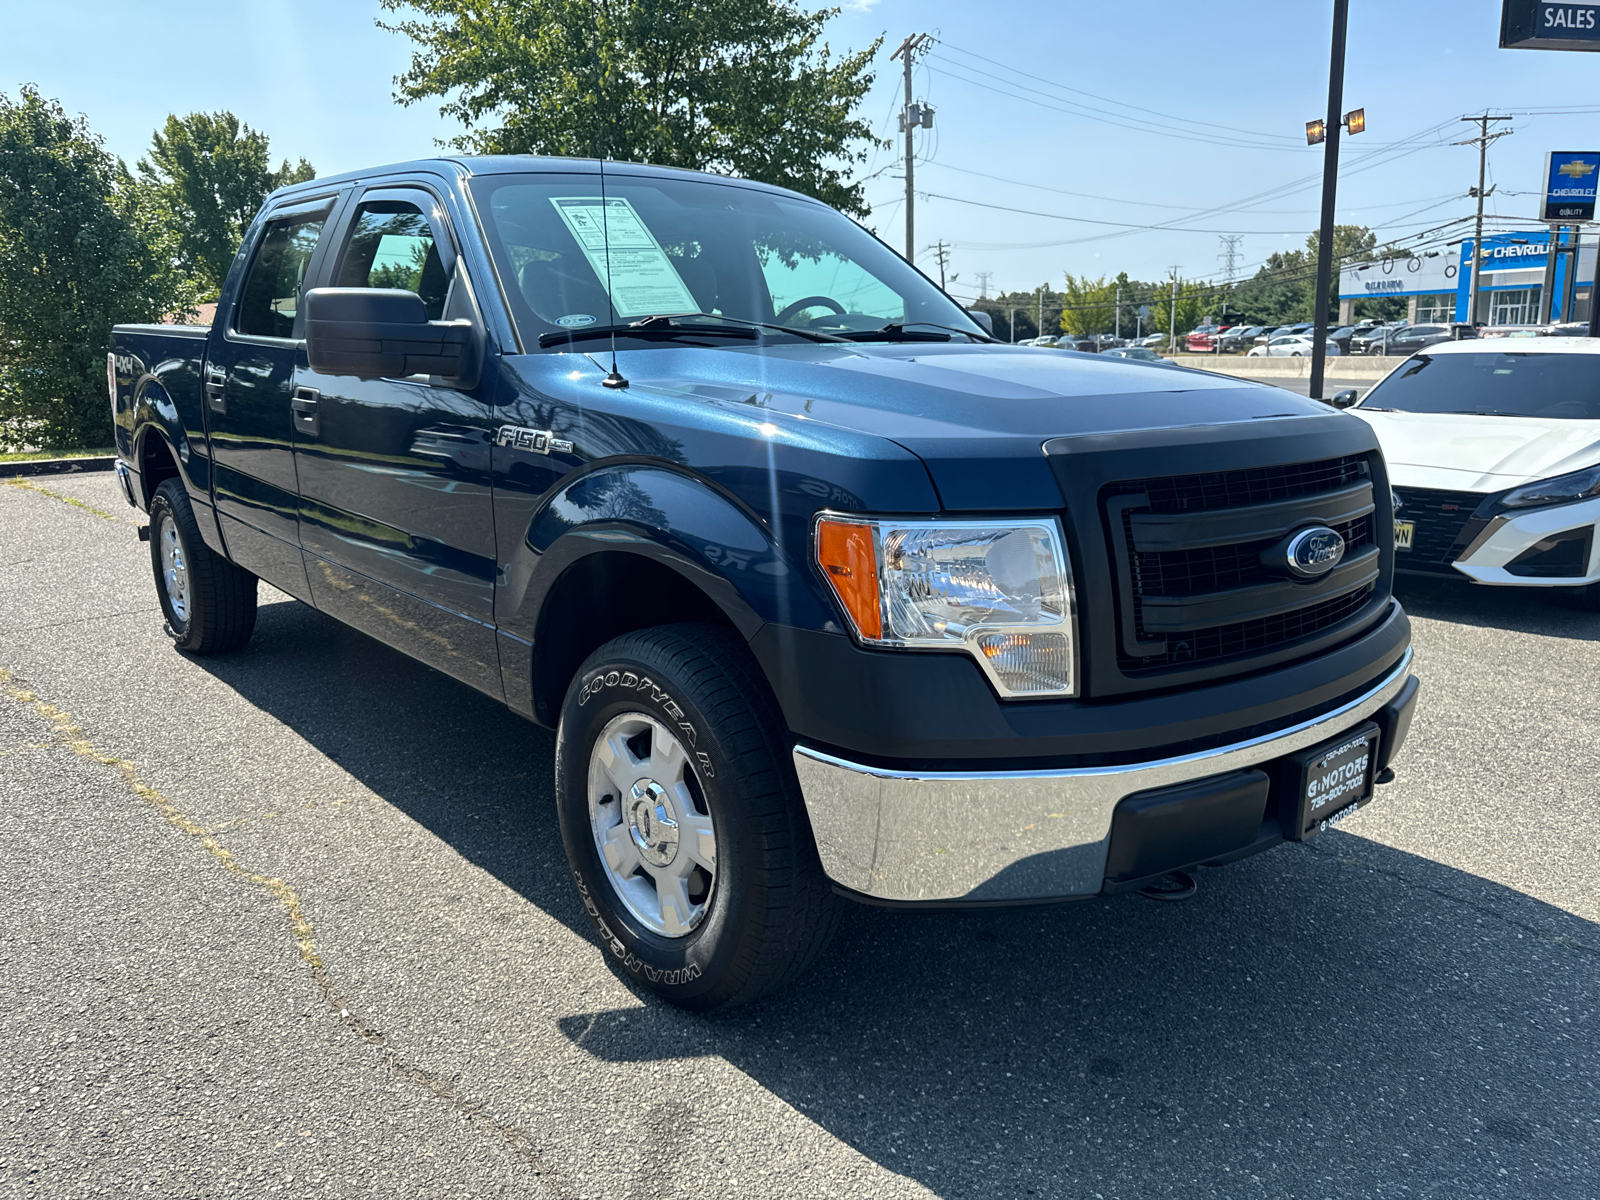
point(217, 389)
point(304, 406)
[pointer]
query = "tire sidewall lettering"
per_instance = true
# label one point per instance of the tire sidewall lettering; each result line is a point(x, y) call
point(634, 684)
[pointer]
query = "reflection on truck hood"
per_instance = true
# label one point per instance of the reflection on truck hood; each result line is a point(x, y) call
point(919, 391)
point(1458, 452)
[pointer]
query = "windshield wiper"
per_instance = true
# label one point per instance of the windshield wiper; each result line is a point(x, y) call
point(679, 325)
point(902, 331)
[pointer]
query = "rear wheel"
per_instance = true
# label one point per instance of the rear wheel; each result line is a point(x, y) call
point(209, 603)
point(683, 822)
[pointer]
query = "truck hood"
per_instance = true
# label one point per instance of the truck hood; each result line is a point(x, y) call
point(953, 405)
point(1465, 453)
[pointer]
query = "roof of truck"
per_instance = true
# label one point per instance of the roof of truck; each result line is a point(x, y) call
point(466, 166)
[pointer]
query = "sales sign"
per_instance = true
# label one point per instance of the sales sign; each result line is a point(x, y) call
point(1569, 185)
point(1550, 25)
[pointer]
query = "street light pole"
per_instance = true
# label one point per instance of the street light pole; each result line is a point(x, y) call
point(1330, 187)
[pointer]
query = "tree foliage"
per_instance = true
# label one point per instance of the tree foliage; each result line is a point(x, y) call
point(738, 87)
point(1089, 306)
point(80, 250)
point(210, 173)
point(1283, 290)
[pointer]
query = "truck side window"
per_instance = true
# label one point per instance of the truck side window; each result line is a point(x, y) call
point(271, 292)
point(391, 246)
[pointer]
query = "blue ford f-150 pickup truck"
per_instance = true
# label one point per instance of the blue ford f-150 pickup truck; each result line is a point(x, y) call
point(826, 593)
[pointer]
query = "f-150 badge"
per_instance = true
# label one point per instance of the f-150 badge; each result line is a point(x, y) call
point(538, 440)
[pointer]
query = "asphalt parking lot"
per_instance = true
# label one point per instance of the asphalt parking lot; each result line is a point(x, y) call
point(296, 921)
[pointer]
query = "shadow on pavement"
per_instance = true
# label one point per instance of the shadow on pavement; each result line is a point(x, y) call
point(1549, 612)
point(1338, 1019)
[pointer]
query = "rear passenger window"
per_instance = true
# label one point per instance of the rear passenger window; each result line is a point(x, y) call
point(391, 246)
point(271, 293)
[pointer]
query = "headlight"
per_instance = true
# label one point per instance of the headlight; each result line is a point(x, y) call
point(1580, 485)
point(999, 590)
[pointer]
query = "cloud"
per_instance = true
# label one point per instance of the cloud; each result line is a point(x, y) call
point(860, 6)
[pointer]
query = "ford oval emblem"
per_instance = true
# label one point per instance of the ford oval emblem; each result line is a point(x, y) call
point(1314, 552)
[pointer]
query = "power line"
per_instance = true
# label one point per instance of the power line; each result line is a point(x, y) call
point(1183, 121)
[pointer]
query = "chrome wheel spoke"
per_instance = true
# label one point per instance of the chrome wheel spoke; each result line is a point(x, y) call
point(617, 761)
point(697, 837)
point(677, 913)
point(622, 856)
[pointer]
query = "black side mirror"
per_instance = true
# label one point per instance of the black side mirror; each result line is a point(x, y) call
point(1344, 399)
point(982, 318)
point(382, 332)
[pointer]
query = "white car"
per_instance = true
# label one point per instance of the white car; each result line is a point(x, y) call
point(1290, 345)
point(1494, 461)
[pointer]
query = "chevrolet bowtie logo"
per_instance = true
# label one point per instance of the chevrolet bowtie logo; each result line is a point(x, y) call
point(1577, 168)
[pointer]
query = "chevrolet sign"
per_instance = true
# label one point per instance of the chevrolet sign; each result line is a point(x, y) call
point(1550, 25)
point(1570, 177)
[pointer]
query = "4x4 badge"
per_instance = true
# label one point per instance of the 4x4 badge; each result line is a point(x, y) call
point(539, 441)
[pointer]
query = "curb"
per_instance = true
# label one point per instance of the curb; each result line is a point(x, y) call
point(57, 466)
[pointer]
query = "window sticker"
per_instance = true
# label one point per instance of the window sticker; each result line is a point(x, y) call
point(575, 320)
point(644, 282)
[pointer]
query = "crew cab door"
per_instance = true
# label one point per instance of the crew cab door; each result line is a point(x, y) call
point(251, 361)
point(396, 519)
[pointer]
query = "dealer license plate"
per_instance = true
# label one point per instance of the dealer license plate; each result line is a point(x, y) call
point(1337, 780)
point(1402, 534)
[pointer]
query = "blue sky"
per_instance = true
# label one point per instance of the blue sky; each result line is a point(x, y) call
point(1238, 85)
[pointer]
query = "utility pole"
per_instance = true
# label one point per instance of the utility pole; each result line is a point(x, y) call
point(983, 283)
point(1172, 323)
point(1117, 332)
point(1041, 310)
point(1331, 127)
point(1482, 143)
point(912, 116)
point(941, 254)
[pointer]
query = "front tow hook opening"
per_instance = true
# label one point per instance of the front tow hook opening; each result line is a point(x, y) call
point(1171, 887)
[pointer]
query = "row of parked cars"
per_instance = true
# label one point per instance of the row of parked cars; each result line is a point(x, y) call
point(1365, 337)
point(1099, 343)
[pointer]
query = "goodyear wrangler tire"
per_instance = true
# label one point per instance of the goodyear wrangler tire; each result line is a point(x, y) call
point(683, 822)
point(209, 603)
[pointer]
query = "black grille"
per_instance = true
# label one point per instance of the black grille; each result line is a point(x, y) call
point(1227, 641)
point(1217, 568)
point(1235, 489)
point(1440, 518)
point(1201, 571)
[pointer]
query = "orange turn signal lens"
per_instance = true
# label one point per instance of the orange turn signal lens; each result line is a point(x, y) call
point(847, 557)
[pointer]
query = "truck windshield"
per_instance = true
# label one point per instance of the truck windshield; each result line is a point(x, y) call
point(1494, 384)
point(673, 247)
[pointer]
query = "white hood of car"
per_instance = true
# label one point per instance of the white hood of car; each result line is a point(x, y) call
point(1480, 454)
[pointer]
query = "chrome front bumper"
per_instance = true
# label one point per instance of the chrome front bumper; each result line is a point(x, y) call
point(939, 836)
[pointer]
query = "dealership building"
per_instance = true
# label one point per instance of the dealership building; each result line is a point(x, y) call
point(1517, 272)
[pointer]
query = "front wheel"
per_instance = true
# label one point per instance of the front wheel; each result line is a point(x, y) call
point(209, 603)
point(683, 822)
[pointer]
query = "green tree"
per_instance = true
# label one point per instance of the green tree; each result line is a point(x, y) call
point(80, 250)
point(211, 173)
point(739, 87)
point(1088, 305)
point(1283, 290)
point(1193, 298)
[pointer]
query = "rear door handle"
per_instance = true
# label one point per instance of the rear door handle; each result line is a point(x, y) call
point(304, 406)
point(217, 389)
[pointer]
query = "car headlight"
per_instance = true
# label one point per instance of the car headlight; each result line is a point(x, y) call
point(999, 590)
point(1580, 485)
